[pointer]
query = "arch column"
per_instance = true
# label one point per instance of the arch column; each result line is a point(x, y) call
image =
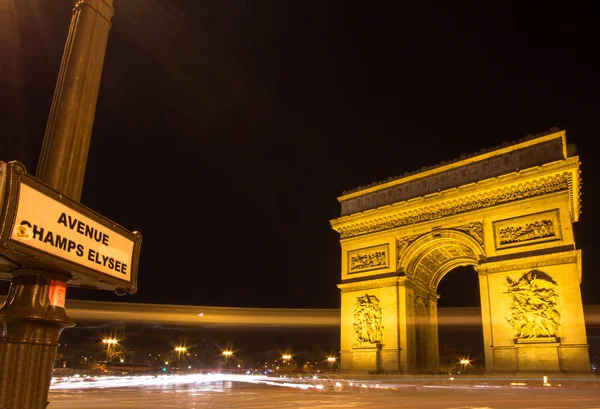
point(532, 315)
point(397, 349)
point(433, 358)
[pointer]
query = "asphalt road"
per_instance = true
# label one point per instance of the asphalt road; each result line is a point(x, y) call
point(235, 395)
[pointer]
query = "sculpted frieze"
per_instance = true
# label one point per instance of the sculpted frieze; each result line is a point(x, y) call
point(370, 258)
point(449, 208)
point(368, 318)
point(528, 229)
point(533, 308)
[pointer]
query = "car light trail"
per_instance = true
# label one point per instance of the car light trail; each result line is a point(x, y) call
point(105, 382)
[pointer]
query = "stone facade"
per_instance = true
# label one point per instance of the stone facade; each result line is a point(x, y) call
point(510, 216)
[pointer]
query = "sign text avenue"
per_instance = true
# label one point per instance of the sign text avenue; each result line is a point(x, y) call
point(46, 224)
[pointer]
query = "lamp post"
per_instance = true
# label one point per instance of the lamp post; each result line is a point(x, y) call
point(286, 360)
point(33, 315)
point(109, 343)
point(180, 350)
point(331, 360)
point(464, 362)
point(227, 354)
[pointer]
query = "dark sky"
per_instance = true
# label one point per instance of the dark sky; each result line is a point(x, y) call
point(226, 129)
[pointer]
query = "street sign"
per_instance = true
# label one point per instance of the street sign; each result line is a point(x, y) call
point(42, 229)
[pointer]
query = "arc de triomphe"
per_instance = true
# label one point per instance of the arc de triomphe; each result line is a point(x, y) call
point(509, 213)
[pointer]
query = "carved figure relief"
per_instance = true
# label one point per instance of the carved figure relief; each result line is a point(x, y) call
point(474, 229)
point(368, 318)
point(533, 311)
point(529, 231)
point(402, 244)
point(368, 259)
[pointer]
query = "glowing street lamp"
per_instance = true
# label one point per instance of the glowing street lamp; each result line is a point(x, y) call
point(109, 342)
point(227, 354)
point(463, 363)
point(286, 359)
point(331, 360)
point(180, 350)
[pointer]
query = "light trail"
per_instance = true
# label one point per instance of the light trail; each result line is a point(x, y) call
point(189, 315)
point(318, 383)
point(105, 382)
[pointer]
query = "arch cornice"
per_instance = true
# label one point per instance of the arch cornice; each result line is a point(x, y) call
point(541, 180)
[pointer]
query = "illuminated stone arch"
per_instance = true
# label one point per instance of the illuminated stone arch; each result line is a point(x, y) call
point(509, 212)
point(432, 255)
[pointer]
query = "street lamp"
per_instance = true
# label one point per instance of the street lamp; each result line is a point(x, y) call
point(331, 360)
point(109, 342)
point(227, 354)
point(463, 363)
point(180, 350)
point(286, 360)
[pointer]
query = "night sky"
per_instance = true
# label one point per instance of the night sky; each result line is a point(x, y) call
point(226, 129)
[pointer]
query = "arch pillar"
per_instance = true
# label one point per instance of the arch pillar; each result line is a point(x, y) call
point(408, 338)
point(426, 333)
point(532, 315)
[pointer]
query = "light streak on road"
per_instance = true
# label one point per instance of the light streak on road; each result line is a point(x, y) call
point(78, 382)
point(104, 382)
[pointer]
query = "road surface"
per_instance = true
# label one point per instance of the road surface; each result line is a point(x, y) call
point(242, 395)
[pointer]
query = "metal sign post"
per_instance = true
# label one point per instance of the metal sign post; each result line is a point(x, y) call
point(47, 239)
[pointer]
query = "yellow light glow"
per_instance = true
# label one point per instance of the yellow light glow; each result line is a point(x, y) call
point(286, 357)
point(331, 359)
point(227, 353)
point(181, 349)
point(110, 341)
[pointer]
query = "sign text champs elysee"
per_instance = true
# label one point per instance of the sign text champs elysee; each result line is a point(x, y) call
point(41, 225)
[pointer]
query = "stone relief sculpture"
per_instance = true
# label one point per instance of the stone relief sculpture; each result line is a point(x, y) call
point(474, 229)
point(361, 261)
point(529, 231)
point(402, 244)
point(368, 320)
point(533, 311)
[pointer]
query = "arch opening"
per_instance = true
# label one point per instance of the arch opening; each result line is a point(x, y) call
point(426, 262)
point(460, 331)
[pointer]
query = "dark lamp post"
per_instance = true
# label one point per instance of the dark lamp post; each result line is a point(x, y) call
point(33, 314)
